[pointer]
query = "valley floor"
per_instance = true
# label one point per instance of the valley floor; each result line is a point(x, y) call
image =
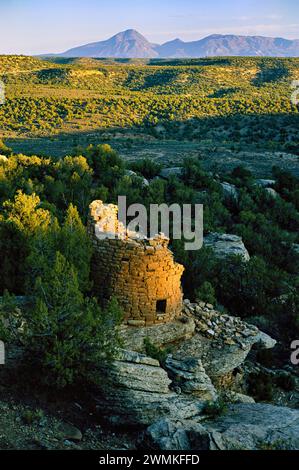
point(217, 158)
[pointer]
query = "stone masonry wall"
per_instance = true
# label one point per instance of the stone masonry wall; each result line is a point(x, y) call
point(141, 273)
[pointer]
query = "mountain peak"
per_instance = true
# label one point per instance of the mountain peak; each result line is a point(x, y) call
point(131, 44)
point(130, 31)
point(175, 41)
point(130, 34)
point(126, 44)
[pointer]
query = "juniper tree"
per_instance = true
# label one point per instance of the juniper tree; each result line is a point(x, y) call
point(76, 246)
point(67, 336)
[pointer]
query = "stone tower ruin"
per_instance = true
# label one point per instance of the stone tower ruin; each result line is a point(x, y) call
point(140, 272)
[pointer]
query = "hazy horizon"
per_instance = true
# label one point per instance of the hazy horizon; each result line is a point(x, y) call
point(32, 27)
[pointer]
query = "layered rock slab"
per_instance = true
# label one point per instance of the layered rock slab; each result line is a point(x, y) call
point(243, 427)
point(136, 390)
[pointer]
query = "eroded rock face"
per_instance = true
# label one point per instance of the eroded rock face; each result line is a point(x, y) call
point(264, 183)
point(235, 397)
point(132, 174)
point(221, 342)
point(166, 173)
point(159, 335)
point(189, 375)
point(224, 245)
point(295, 247)
point(230, 191)
point(257, 426)
point(167, 434)
point(136, 391)
point(272, 193)
point(205, 347)
point(243, 427)
point(216, 361)
point(138, 372)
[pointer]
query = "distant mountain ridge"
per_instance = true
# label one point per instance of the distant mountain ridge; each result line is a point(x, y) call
point(127, 44)
point(131, 44)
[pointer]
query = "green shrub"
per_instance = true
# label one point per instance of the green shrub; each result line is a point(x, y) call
point(30, 417)
point(260, 386)
point(265, 357)
point(241, 173)
point(4, 150)
point(285, 381)
point(10, 318)
point(155, 352)
point(280, 444)
point(206, 293)
point(215, 408)
point(146, 167)
point(66, 335)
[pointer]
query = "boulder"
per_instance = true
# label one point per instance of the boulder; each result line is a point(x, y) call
point(257, 426)
point(218, 342)
point(139, 372)
point(189, 375)
point(167, 434)
point(159, 335)
point(230, 191)
point(136, 391)
point(295, 247)
point(235, 397)
point(132, 174)
point(224, 245)
point(166, 173)
point(264, 183)
point(264, 341)
point(70, 432)
point(217, 361)
point(243, 427)
point(221, 342)
point(272, 193)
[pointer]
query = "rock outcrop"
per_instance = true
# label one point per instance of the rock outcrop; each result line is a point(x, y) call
point(264, 183)
point(221, 342)
point(133, 175)
point(167, 434)
point(272, 193)
point(224, 245)
point(136, 390)
point(230, 191)
point(166, 173)
point(257, 426)
point(162, 335)
point(243, 427)
point(295, 247)
point(205, 347)
point(200, 350)
point(189, 376)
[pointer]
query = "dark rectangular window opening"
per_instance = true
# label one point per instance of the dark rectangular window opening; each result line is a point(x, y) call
point(161, 306)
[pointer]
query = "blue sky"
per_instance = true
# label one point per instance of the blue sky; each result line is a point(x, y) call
point(39, 26)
